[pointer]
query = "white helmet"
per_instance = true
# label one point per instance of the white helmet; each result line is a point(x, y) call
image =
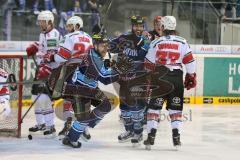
point(46, 15)
point(169, 22)
point(74, 20)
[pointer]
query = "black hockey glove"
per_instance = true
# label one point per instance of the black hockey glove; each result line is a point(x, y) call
point(12, 80)
point(123, 64)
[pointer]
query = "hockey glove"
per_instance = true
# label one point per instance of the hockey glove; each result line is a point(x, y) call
point(32, 49)
point(43, 72)
point(123, 64)
point(190, 81)
point(12, 80)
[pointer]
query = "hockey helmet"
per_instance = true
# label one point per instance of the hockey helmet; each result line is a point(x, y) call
point(157, 19)
point(100, 38)
point(169, 22)
point(74, 20)
point(137, 20)
point(46, 16)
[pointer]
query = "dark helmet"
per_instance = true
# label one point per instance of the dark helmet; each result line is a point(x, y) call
point(137, 20)
point(100, 38)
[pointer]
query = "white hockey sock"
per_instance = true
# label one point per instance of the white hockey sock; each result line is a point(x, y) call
point(152, 119)
point(38, 110)
point(176, 118)
point(49, 117)
point(39, 116)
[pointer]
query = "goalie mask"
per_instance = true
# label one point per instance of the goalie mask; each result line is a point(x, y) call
point(100, 43)
point(45, 20)
point(137, 25)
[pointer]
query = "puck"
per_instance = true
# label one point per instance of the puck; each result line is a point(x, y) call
point(30, 137)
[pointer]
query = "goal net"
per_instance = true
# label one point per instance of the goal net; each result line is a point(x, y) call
point(11, 125)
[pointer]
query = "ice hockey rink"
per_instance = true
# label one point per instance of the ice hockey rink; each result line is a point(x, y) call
point(209, 132)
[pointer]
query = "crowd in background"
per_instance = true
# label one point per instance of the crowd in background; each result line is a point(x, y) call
point(228, 8)
point(61, 8)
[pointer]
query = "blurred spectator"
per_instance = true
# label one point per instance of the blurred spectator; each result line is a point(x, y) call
point(48, 5)
point(223, 10)
point(95, 18)
point(80, 6)
point(22, 4)
point(7, 7)
point(66, 10)
point(230, 8)
point(238, 8)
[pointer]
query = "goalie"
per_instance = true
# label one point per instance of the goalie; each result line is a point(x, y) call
point(5, 108)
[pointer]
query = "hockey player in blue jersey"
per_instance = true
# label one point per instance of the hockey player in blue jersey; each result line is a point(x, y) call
point(82, 87)
point(135, 46)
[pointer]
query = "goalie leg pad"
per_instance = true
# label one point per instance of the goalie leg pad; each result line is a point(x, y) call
point(5, 109)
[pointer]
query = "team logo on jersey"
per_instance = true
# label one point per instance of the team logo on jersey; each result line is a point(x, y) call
point(176, 100)
point(51, 43)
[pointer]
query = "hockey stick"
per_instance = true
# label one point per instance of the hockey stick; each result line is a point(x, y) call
point(25, 114)
point(33, 82)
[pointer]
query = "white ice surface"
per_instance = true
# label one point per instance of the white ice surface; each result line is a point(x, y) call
point(210, 133)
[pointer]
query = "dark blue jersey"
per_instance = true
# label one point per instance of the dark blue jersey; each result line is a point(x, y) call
point(135, 47)
point(91, 70)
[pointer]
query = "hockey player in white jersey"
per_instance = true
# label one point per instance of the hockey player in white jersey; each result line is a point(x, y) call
point(73, 45)
point(5, 109)
point(48, 45)
point(173, 52)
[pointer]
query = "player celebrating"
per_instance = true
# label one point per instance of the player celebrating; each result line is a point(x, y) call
point(135, 46)
point(48, 45)
point(82, 86)
point(171, 51)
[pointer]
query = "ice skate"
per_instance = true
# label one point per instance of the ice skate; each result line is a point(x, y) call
point(150, 139)
point(67, 126)
point(137, 138)
point(36, 130)
point(176, 138)
point(125, 137)
point(50, 131)
point(85, 135)
point(66, 141)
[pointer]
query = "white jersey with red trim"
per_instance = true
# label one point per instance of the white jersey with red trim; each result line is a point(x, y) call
point(48, 42)
point(171, 51)
point(4, 91)
point(73, 45)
